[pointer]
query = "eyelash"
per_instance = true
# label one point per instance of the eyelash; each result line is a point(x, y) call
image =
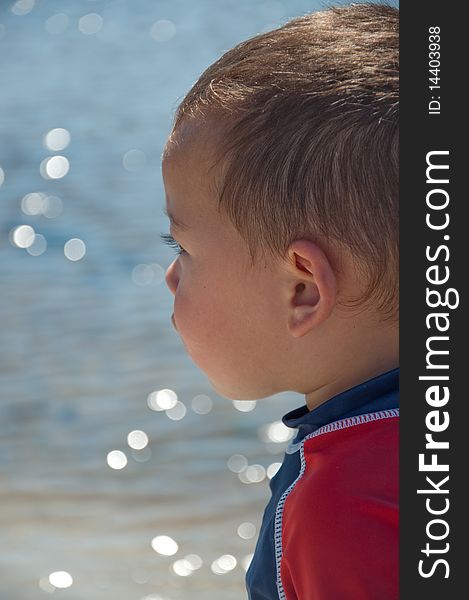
point(168, 239)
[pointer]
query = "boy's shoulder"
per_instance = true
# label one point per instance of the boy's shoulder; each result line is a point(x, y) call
point(342, 511)
point(347, 460)
point(330, 530)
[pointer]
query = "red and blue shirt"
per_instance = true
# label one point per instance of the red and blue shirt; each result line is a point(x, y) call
point(331, 528)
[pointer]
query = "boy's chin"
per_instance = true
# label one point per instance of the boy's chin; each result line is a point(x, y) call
point(233, 394)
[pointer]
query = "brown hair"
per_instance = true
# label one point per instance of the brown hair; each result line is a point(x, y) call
point(310, 143)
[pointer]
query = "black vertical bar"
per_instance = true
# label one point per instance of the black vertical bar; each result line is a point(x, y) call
point(433, 546)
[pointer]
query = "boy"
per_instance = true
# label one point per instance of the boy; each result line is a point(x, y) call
point(281, 176)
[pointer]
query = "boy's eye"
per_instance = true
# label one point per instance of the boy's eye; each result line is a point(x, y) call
point(167, 238)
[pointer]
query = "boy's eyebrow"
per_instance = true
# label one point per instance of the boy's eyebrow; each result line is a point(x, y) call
point(176, 223)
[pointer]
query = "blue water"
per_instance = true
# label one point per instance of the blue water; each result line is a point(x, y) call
point(83, 343)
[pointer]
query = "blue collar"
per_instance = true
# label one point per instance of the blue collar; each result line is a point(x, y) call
point(378, 393)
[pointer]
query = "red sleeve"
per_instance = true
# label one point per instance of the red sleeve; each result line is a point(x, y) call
point(340, 522)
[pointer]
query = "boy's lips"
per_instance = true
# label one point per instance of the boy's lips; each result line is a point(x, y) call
point(174, 322)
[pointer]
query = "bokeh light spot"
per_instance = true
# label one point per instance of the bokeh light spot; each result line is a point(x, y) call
point(22, 7)
point(54, 167)
point(51, 207)
point(56, 139)
point(75, 249)
point(223, 564)
point(116, 459)
point(36, 203)
point(90, 23)
point(244, 405)
point(276, 433)
point(2, 172)
point(177, 412)
point(162, 399)
point(237, 463)
point(22, 236)
point(56, 24)
point(162, 30)
point(39, 245)
point(61, 579)
point(246, 530)
point(134, 160)
point(272, 469)
point(137, 439)
point(158, 273)
point(165, 545)
point(32, 203)
point(182, 568)
point(142, 274)
point(252, 474)
point(201, 404)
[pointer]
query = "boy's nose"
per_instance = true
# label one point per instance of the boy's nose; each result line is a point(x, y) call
point(172, 277)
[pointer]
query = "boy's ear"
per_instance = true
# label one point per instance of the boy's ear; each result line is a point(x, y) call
point(312, 287)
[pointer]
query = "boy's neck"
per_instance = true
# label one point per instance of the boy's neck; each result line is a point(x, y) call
point(351, 369)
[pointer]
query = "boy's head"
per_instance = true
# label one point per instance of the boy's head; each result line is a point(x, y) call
point(283, 164)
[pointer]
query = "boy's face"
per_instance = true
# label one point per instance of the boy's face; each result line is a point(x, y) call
point(227, 313)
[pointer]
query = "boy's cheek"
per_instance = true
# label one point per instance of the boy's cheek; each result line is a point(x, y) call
point(179, 309)
point(190, 316)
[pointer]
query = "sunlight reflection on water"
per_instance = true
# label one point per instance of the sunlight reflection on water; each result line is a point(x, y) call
point(124, 475)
